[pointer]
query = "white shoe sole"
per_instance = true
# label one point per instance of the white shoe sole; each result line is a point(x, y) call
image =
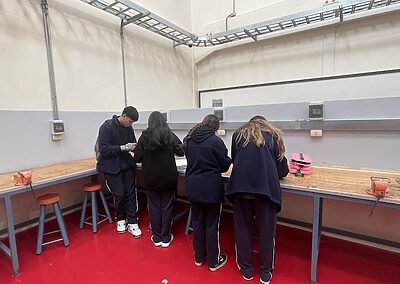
point(165, 245)
point(136, 237)
point(155, 244)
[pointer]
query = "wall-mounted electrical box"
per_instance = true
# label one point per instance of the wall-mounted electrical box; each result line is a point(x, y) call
point(316, 111)
point(56, 129)
point(166, 116)
point(219, 113)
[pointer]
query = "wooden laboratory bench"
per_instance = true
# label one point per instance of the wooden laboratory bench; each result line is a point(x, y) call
point(327, 182)
point(41, 177)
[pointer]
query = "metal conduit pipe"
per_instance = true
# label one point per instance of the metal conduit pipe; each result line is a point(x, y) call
point(231, 15)
point(121, 32)
point(46, 27)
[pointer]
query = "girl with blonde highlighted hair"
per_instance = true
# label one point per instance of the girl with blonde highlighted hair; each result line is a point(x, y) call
point(258, 154)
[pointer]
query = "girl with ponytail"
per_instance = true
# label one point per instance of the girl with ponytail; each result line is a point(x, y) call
point(207, 157)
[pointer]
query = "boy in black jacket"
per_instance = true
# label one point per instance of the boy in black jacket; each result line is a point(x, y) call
point(116, 139)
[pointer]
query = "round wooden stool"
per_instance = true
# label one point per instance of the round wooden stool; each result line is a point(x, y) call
point(50, 199)
point(92, 189)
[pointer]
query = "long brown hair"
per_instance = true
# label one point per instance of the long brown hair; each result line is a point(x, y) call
point(253, 131)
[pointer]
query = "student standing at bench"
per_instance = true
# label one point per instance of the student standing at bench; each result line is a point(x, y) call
point(116, 139)
point(155, 150)
point(259, 162)
point(207, 157)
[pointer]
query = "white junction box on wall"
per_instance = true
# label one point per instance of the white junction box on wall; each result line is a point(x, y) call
point(56, 129)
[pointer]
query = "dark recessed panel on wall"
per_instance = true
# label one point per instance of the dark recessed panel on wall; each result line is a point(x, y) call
point(219, 113)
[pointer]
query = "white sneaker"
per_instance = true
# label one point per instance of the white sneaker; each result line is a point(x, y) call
point(134, 230)
point(121, 226)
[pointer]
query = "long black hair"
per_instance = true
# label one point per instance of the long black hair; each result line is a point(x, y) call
point(160, 135)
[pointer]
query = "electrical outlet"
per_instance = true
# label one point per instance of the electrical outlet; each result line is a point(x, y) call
point(316, 133)
point(221, 132)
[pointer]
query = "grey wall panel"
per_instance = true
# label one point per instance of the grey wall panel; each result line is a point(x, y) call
point(363, 108)
point(358, 149)
point(284, 111)
point(370, 149)
point(26, 140)
point(190, 115)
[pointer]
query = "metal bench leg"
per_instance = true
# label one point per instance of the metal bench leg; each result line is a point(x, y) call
point(39, 244)
point(94, 210)
point(61, 224)
point(188, 222)
point(316, 236)
point(83, 213)
point(103, 200)
point(11, 234)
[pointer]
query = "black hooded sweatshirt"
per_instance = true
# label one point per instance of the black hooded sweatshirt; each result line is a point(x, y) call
point(207, 157)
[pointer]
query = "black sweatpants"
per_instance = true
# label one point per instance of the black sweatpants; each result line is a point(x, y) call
point(122, 186)
point(161, 210)
point(264, 211)
point(205, 222)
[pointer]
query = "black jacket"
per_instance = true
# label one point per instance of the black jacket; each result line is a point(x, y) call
point(111, 136)
point(159, 167)
point(257, 170)
point(207, 157)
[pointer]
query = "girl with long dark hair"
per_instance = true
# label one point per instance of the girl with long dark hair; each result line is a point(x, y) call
point(156, 150)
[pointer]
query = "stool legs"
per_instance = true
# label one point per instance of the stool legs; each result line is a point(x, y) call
point(103, 200)
point(85, 198)
point(61, 224)
point(41, 229)
point(94, 211)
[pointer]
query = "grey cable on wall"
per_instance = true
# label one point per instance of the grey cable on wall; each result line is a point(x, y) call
point(121, 32)
point(50, 63)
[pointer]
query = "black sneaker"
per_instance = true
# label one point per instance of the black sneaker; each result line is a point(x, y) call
point(266, 279)
point(198, 263)
point(221, 262)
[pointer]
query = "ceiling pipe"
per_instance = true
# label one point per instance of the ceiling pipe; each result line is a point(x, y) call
point(231, 15)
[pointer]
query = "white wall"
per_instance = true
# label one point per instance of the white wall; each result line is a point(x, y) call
point(355, 46)
point(23, 74)
point(87, 59)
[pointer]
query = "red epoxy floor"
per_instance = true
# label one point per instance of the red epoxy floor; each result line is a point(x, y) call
point(108, 257)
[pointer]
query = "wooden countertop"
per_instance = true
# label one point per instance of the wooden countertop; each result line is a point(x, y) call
point(48, 173)
point(344, 181)
point(327, 179)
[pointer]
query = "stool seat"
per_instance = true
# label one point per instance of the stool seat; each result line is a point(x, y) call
point(93, 186)
point(48, 199)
